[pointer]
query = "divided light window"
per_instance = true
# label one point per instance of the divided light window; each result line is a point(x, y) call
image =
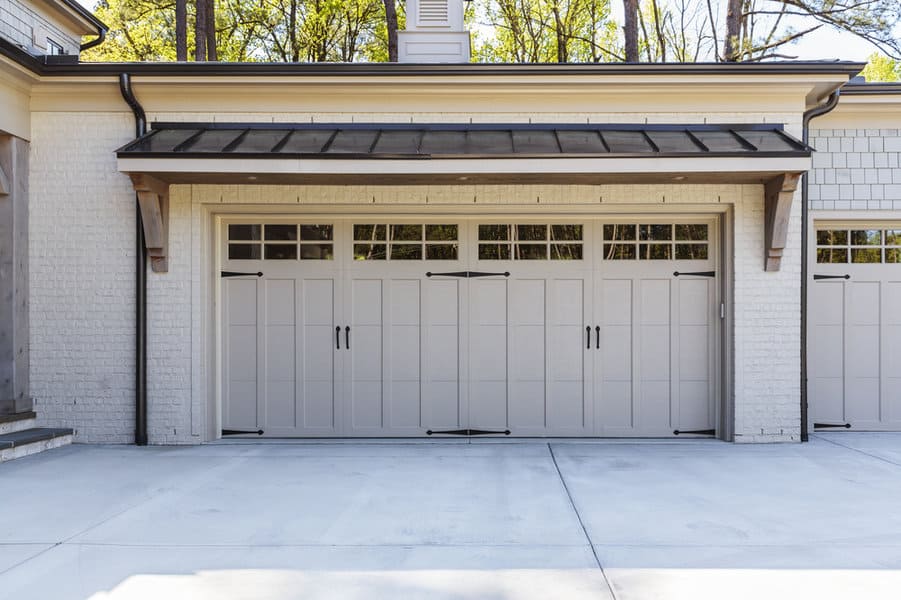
point(530, 242)
point(280, 241)
point(840, 246)
point(656, 241)
point(406, 241)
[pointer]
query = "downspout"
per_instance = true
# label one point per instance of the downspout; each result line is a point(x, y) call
point(809, 115)
point(140, 282)
point(101, 36)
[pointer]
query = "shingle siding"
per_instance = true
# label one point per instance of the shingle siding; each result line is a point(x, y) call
point(18, 21)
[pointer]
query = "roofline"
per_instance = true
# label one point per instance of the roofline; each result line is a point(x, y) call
point(872, 89)
point(221, 69)
point(85, 15)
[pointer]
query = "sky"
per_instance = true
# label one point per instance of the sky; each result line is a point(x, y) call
point(824, 43)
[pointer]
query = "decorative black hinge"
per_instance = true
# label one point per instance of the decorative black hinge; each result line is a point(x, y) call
point(467, 274)
point(818, 277)
point(239, 274)
point(467, 432)
point(832, 425)
point(695, 432)
point(697, 274)
point(240, 432)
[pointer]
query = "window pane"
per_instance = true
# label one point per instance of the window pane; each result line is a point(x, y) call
point(494, 252)
point(893, 255)
point(691, 251)
point(893, 237)
point(244, 232)
point(494, 232)
point(866, 237)
point(441, 251)
point(370, 251)
point(566, 251)
point(441, 233)
point(244, 251)
point(531, 252)
point(832, 237)
point(281, 232)
point(406, 251)
point(655, 232)
point(369, 232)
point(315, 232)
point(655, 251)
point(316, 252)
point(832, 255)
point(531, 233)
point(619, 232)
point(406, 232)
point(566, 232)
point(619, 251)
point(281, 252)
point(866, 255)
point(691, 233)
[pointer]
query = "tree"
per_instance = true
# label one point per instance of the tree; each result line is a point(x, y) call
point(630, 29)
point(181, 30)
point(391, 26)
point(882, 68)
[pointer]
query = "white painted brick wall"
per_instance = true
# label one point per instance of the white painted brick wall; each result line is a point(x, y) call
point(855, 169)
point(82, 237)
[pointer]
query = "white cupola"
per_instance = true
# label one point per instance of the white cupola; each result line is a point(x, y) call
point(434, 33)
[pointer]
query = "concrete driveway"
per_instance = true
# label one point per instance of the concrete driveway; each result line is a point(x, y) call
point(570, 520)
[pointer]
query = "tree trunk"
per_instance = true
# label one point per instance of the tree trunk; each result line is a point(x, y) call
point(391, 18)
point(200, 37)
point(211, 53)
point(630, 28)
point(181, 30)
point(731, 43)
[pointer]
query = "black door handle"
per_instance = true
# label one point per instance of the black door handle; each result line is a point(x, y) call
point(588, 340)
point(597, 332)
point(347, 337)
point(338, 337)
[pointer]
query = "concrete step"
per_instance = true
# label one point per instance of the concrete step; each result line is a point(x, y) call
point(31, 441)
point(17, 422)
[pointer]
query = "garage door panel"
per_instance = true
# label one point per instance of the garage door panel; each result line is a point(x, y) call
point(404, 302)
point(242, 356)
point(367, 404)
point(567, 307)
point(319, 302)
point(528, 353)
point(694, 302)
point(616, 302)
point(891, 304)
point(863, 303)
point(442, 406)
point(280, 302)
point(405, 352)
point(280, 358)
point(241, 405)
point(616, 358)
point(528, 408)
point(694, 354)
point(862, 399)
point(404, 404)
point(655, 302)
point(862, 351)
point(366, 302)
point(318, 404)
point(488, 405)
point(242, 301)
point(616, 410)
point(443, 301)
point(527, 306)
point(566, 358)
point(654, 353)
point(490, 302)
point(317, 357)
point(829, 308)
point(655, 405)
point(280, 405)
point(694, 405)
point(568, 401)
point(828, 399)
point(827, 350)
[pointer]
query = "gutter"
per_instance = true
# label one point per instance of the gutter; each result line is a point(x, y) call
point(809, 115)
point(101, 35)
point(140, 281)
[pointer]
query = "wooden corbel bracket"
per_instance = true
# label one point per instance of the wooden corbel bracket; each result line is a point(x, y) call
point(153, 200)
point(778, 195)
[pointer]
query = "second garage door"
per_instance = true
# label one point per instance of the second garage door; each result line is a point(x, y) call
point(361, 327)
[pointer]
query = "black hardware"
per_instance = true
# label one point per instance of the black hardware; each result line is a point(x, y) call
point(347, 337)
point(818, 277)
point(238, 274)
point(832, 425)
point(239, 432)
point(467, 274)
point(597, 336)
point(338, 337)
point(588, 337)
point(696, 432)
point(468, 432)
point(697, 273)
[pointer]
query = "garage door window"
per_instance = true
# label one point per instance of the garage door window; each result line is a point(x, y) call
point(656, 241)
point(280, 241)
point(406, 241)
point(841, 246)
point(530, 241)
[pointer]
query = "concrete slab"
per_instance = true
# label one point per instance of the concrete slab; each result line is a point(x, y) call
point(886, 446)
point(309, 573)
point(14, 554)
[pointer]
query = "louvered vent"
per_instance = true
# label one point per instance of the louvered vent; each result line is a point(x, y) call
point(433, 12)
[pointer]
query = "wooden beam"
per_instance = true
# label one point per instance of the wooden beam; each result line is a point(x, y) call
point(153, 200)
point(5, 188)
point(778, 195)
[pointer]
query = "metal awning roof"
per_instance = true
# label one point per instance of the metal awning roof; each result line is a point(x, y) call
point(450, 141)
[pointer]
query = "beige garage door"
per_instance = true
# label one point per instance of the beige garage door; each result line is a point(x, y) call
point(497, 326)
point(855, 327)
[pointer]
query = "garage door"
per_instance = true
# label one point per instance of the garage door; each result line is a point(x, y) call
point(855, 327)
point(363, 327)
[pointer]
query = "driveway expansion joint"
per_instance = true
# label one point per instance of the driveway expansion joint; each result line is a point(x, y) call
point(858, 450)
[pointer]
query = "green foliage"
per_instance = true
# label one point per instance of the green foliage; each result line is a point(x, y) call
point(882, 68)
